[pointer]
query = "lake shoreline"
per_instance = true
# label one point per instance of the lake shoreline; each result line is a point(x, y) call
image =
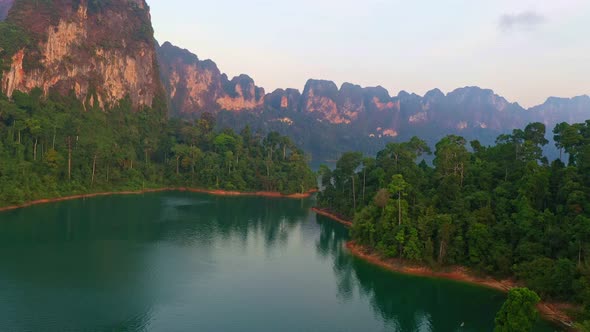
point(553, 312)
point(332, 216)
point(214, 192)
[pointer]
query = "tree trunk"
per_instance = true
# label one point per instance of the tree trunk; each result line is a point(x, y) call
point(399, 207)
point(54, 133)
point(69, 158)
point(579, 254)
point(93, 170)
point(462, 174)
point(353, 194)
point(364, 183)
point(177, 165)
point(108, 169)
point(35, 149)
point(441, 252)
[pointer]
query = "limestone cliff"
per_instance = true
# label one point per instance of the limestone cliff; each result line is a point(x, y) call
point(100, 51)
point(195, 86)
point(372, 109)
point(556, 110)
point(281, 100)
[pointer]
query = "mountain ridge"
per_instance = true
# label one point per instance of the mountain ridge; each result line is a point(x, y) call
point(344, 105)
point(105, 52)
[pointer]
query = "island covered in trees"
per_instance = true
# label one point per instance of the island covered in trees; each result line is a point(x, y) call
point(503, 210)
point(54, 147)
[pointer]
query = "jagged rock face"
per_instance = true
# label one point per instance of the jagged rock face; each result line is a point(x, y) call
point(369, 108)
point(241, 94)
point(556, 110)
point(319, 97)
point(472, 107)
point(103, 52)
point(463, 109)
point(193, 86)
point(281, 100)
point(196, 86)
point(4, 8)
point(382, 116)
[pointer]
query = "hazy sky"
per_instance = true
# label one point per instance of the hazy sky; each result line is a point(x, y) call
point(525, 50)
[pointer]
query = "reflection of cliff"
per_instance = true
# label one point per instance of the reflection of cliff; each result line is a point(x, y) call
point(407, 303)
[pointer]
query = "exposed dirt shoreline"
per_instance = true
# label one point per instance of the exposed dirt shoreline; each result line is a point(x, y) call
point(332, 216)
point(268, 194)
point(554, 312)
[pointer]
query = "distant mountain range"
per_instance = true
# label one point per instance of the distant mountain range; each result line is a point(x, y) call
point(196, 86)
point(104, 51)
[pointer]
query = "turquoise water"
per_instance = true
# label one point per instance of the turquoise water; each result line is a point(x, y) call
point(192, 262)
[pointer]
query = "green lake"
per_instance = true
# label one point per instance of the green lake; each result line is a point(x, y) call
point(192, 262)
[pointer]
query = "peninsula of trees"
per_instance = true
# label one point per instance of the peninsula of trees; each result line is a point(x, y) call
point(502, 210)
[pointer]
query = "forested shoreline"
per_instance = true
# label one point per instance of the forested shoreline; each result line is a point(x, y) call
point(503, 210)
point(53, 147)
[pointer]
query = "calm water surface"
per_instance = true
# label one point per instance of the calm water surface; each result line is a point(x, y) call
point(191, 262)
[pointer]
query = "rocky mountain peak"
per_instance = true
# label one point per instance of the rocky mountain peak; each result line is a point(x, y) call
point(196, 86)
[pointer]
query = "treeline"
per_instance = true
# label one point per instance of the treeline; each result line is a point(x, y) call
point(52, 147)
point(503, 210)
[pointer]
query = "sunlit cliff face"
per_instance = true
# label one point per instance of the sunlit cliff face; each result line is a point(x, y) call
point(101, 55)
point(196, 86)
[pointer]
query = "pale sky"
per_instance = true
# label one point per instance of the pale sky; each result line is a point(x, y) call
point(524, 50)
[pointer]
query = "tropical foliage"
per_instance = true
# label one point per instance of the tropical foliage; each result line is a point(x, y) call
point(503, 210)
point(51, 147)
point(519, 312)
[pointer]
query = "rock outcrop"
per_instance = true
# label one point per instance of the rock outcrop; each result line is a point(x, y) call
point(282, 100)
point(461, 109)
point(195, 86)
point(556, 110)
point(100, 51)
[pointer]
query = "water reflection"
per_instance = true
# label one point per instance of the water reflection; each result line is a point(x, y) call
point(408, 303)
point(186, 262)
point(66, 266)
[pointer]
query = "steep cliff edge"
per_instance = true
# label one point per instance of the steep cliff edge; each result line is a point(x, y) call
point(195, 86)
point(556, 110)
point(100, 51)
